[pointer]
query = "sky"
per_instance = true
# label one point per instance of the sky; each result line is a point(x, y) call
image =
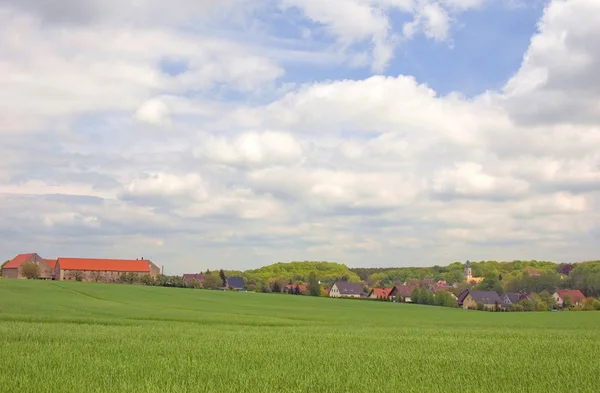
point(236, 134)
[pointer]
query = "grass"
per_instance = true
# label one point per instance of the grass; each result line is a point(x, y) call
point(75, 337)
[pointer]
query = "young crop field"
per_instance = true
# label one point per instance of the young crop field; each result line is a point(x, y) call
point(86, 337)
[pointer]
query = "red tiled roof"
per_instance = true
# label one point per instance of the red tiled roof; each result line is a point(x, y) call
point(114, 265)
point(381, 292)
point(51, 263)
point(575, 295)
point(18, 261)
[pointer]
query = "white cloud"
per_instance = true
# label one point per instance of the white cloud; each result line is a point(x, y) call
point(557, 80)
point(252, 149)
point(184, 187)
point(469, 179)
point(154, 112)
point(358, 171)
point(81, 68)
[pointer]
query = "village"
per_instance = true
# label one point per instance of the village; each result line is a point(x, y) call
point(424, 291)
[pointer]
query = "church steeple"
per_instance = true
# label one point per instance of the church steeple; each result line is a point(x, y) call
point(468, 273)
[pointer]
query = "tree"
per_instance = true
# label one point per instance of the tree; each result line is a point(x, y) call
point(97, 276)
point(415, 296)
point(547, 298)
point(147, 280)
point(314, 288)
point(30, 270)
point(276, 288)
point(223, 278)
point(212, 281)
point(77, 275)
point(1, 266)
point(427, 296)
point(567, 301)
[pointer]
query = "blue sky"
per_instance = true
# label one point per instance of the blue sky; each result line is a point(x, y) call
point(237, 134)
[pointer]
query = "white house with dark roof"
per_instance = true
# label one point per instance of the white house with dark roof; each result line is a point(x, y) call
point(346, 289)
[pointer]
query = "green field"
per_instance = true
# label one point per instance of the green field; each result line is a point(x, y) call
point(85, 337)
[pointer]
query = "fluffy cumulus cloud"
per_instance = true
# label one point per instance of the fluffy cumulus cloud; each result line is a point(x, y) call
point(204, 136)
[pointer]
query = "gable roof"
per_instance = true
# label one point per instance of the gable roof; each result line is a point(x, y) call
point(349, 288)
point(513, 297)
point(17, 261)
point(194, 276)
point(404, 290)
point(575, 295)
point(381, 292)
point(51, 263)
point(463, 295)
point(113, 265)
point(485, 297)
point(235, 282)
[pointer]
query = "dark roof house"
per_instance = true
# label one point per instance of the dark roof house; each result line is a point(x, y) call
point(346, 289)
point(514, 297)
point(403, 291)
point(193, 276)
point(235, 282)
point(486, 297)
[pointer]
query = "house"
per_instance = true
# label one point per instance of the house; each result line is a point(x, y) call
point(439, 286)
point(468, 273)
point(576, 297)
point(346, 289)
point(379, 293)
point(235, 283)
point(513, 298)
point(194, 276)
point(402, 293)
point(95, 269)
point(470, 299)
point(14, 268)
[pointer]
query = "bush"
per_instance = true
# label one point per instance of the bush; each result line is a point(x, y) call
point(30, 270)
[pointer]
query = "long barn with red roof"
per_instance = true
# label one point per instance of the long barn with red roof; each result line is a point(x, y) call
point(82, 269)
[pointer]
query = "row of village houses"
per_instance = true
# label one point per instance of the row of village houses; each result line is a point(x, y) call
point(468, 298)
point(89, 269)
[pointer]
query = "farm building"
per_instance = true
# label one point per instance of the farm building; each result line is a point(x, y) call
point(91, 269)
point(402, 293)
point(346, 289)
point(577, 298)
point(469, 299)
point(235, 283)
point(14, 268)
point(379, 293)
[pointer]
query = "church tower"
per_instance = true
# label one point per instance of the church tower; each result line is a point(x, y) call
point(468, 273)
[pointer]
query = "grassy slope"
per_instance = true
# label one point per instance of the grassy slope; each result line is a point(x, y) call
point(66, 337)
